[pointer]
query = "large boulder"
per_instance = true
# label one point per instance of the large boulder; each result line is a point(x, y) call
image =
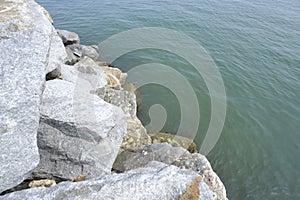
point(25, 40)
point(164, 152)
point(155, 181)
point(79, 132)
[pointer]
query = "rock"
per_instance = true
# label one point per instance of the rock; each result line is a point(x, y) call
point(115, 77)
point(68, 37)
point(123, 99)
point(56, 73)
point(136, 133)
point(72, 58)
point(200, 164)
point(164, 152)
point(79, 132)
point(79, 51)
point(57, 52)
point(42, 183)
point(141, 156)
point(47, 14)
point(130, 88)
point(102, 63)
point(79, 178)
point(174, 140)
point(155, 181)
point(192, 192)
point(25, 37)
point(86, 69)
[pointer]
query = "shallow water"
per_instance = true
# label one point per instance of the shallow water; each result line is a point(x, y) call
point(256, 47)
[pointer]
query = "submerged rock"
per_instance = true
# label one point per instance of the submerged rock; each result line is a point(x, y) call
point(26, 35)
point(155, 181)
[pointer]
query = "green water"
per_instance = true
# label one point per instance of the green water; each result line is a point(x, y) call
point(256, 47)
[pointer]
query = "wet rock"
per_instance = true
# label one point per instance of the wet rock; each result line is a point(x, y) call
point(155, 181)
point(26, 34)
point(79, 132)
point(68, 37)
point(164, 152)
point(174, 140)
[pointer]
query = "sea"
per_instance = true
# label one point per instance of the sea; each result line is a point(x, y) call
point(255, 47)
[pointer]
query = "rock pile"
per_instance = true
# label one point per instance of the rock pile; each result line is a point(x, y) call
point(68, 124)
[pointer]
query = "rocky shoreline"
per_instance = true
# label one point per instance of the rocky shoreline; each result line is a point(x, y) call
point(68, 124)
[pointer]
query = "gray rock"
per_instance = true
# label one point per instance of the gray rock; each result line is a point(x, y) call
point(85, 69)
point(141, 156)
point(88, 131)
point(72, 58)
point(136, 133)
point(155, 181)
point(123, 99)
point(57, 52)
point(67, 151)
point(25, 37)
point(56, 73)
point(68, 37)
point(76, 51)
point(164, 152)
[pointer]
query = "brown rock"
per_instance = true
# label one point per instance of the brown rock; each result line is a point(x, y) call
point(174, 140)
point(192, 192)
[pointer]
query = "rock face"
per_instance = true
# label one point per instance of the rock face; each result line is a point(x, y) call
point(25, 33)
point(79, 133)
point(164, 152)
point(155, 181)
